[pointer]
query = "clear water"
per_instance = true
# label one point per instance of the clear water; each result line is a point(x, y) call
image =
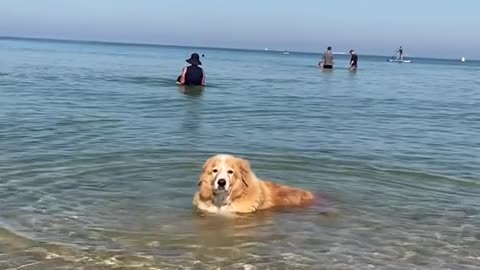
point(101, 152)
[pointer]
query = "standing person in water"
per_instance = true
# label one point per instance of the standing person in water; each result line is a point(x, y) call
point(328, 59)
point(193, 74)
point(353, 60)
point(400, 53)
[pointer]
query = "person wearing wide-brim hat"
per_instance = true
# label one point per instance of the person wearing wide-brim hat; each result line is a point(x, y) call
point(193, 74)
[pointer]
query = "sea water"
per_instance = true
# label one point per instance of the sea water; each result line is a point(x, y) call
point(101, 153)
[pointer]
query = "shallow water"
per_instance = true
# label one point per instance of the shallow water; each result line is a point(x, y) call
point(101, 154)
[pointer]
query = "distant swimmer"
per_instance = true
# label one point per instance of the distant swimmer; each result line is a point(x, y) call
point(193, 74)
point(353, 60)
point(328, 59)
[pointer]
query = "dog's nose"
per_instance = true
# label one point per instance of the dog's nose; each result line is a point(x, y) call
point(221, 182)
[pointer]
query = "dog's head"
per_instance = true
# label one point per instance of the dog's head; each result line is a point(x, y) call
point(224, 178)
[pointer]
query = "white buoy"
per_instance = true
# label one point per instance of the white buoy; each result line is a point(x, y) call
point(463, 59)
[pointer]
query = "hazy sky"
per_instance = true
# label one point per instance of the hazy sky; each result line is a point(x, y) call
point(441, 28)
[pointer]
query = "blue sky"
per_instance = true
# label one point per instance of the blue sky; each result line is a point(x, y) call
point(442, 28)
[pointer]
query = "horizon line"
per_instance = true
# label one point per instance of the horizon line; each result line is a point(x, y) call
point(125, 43)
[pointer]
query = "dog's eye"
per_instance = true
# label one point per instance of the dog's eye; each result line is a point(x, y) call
point(215, 171)
point(230, 171)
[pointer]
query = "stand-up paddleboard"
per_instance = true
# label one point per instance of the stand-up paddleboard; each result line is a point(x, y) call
point(399, 60)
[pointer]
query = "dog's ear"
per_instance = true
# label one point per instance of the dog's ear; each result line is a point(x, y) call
point(206, 192)
point(244, 179)
point(245, 171)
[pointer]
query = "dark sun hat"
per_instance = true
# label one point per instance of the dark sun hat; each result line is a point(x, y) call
point(194, 59)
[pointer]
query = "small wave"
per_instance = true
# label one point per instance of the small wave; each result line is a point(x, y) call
point(13, 240)
point(151, 81)
point(280, 81)
point(141, 80)
point(428, 176)
point(52, 255)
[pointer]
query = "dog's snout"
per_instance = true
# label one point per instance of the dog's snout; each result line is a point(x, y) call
point(221, 182)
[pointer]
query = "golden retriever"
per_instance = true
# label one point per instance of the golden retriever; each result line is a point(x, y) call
point(228, 185)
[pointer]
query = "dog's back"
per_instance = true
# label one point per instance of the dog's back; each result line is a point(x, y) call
point(277, 195)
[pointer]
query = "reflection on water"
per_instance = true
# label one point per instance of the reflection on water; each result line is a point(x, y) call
point(191, 111)
point(191, 91)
